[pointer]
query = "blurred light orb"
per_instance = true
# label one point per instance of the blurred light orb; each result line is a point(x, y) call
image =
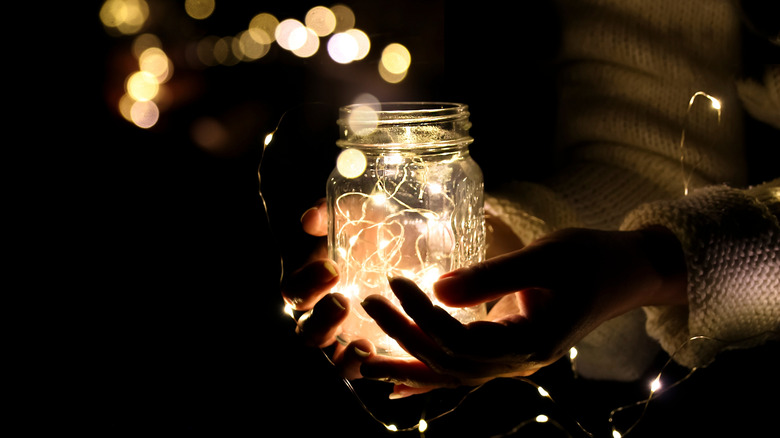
point(144, 41)
point(311, 42)
point(144, 114)
point(210, 134)
point(321, 20)
point(343, 48)
point(367, 99)
point(251, 48)
point(351, 163)
point(363, 42)
point(345, 18)
point(155, 61)
point(124, 16)
point(125, 104)
point(396, 58)
point(284, 34)
point(205, 50)
point(199, 9)
point(142, 86)
point(390, 77)
point(224, 51)
point(262, 27)
point(364, 119)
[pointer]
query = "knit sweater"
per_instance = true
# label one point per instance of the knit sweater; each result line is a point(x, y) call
point(639, 143)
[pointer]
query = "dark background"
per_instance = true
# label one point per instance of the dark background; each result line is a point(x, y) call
point(180, 329)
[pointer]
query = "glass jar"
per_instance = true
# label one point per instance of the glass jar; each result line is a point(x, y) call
point(405, 199)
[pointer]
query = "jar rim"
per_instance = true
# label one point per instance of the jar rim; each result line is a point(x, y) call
point(405, 112)
point(402, 124)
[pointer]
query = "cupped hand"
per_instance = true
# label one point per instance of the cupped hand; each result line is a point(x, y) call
point(308, 289)
point(551, 294)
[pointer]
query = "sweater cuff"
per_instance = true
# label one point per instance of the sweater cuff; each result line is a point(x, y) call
point(731, 243)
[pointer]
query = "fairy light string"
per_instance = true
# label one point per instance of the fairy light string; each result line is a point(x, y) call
point(687, 168)
point(385, 252)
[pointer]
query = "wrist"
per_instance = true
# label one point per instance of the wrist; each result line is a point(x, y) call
point(667, 259)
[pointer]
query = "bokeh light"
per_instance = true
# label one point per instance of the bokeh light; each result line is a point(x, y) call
point(199, 9)
point(396, 58)
point(144, 113)
point(310, 45)
point(303, 38)
point(321, 20)
point(285, 34)
point(343, 48)
point(142, 86)
point(394, 63)
point(345, 18)
point(363, 42)
point(126, 17)
point(262, 27)
point(154, 60)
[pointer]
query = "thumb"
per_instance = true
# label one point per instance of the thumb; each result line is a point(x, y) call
point(495, 277)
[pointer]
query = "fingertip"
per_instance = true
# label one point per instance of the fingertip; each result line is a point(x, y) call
point(450, 291)
point(355, 354)
point(314, 220)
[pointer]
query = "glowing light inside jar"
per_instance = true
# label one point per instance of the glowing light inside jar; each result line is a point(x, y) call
point(405, 200)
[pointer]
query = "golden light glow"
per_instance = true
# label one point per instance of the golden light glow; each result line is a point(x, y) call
point(345, 18)
point(392, 427)
point(142, 86)
point(343, 48)
point(572, 353)
point(655, 385)
point(321, 20)
point(363, 120)
point(616, 434)
point(226, 51)
point(124, 106)
point(543, 392)
point(422, 426)
point(284, 34)
point(542, 418)
point(363, 42)
point(396, 58)
point(199, 9)
point(288, 309)
point(144, 41)
point(124, 16)
point(310, 42)
point(144, 113)
point(250, 47)
point(155, 61)
point(262, 28)
point(351, 163)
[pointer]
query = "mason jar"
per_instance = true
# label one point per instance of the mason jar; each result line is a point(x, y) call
point(405, 199)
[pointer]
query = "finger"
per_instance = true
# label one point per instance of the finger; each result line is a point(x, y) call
point(399, 327)
point(349, 359)
point(406, 372)
point(304, 287)
point(401, 391)
point(320, 326)
point(532, 266)
point(315, 219)
point(433, 320)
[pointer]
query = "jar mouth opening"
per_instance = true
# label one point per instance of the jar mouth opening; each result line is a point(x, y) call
point(404, 125)
point(389, 113)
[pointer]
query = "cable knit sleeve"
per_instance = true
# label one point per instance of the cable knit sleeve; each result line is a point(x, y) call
point(731, 241)
point(629, 71)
